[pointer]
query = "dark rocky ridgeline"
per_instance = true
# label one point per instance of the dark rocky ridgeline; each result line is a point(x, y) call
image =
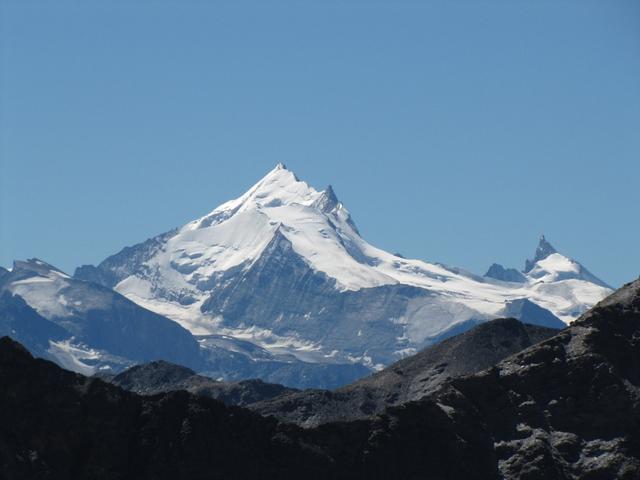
point(160, 376)
point(61, 425)
point(409, 379)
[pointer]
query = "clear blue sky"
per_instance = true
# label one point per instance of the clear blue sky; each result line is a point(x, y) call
point(454, 131)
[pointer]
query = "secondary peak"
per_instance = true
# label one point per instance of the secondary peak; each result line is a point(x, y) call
point(543, 250)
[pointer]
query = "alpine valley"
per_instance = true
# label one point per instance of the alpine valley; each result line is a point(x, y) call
point(279, 285)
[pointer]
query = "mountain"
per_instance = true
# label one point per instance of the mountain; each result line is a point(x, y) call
point(563, 408)
point(550, 266)
point(160, 376)
point(84, 326)
point(284, 267)
point(409, 379)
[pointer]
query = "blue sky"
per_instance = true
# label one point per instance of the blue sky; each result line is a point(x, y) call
point(455, 132)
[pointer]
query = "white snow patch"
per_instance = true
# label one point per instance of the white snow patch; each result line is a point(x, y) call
point(71, 356)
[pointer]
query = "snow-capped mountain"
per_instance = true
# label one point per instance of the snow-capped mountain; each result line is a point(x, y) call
point(83, 326)
point(550, 266)
point(284, 267)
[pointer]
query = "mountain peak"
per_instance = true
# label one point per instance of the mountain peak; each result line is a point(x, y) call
point(498, 272)
point(37, 266)
point(330, 192)
point(278, 187)
point(280, 174)
point(543, 250)
point(327, 200)
point(549, 265)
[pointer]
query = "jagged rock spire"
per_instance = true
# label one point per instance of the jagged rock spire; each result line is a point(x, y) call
point(327, 200)
point(543, 250)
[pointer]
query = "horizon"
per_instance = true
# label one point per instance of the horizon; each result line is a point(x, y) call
point(453, 135)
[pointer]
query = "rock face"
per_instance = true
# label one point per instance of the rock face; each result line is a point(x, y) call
point(568, 407)
point(284, 267)
point(160, 376)
point(565, 408)
point(410, 379)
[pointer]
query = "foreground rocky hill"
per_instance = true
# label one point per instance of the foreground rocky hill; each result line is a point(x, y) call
point(565, 408)
point(160, 376)
point(568, 407)
point(61, 425)
point(410, 379)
